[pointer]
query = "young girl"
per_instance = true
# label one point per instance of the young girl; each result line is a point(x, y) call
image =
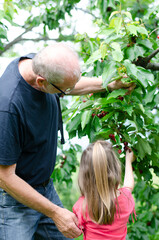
point(103, 209)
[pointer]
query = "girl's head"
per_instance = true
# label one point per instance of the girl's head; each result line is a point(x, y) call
point(99, 177)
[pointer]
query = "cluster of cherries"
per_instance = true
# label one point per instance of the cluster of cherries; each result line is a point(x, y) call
point(112, 137)
point(100, 115)
point(63, 160)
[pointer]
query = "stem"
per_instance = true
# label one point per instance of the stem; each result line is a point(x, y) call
point(153, 31)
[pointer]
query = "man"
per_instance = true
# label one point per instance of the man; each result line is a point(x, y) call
point(29, 121)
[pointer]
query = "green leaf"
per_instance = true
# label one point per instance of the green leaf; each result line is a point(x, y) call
point(117, 56)
point(104, 133)
point(107, 116)
point(104, 101)
point(143, 147)
point(132, 29)
point(116, 93)
point(145, 76)
point(145, 42)
point(113, 13)
point(97, 124)
point(131, 69)
point(134, 51)
point(128, 109)
point(94, 57)
point(116, 46)
point(103, 49)
point(85, 118)
point(106, 32)
point(73, 124)
point(86, 104)
point(128, 14)
point(142, 30)
point(116, 23)
point(108, 72)
point(149, 96)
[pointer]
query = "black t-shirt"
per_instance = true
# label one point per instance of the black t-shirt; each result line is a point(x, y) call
point(28, 126)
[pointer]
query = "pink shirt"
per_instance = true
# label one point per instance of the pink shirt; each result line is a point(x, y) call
point(117, 230)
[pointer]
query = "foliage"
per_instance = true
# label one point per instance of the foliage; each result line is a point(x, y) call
point(127, 120)
point(125, 47)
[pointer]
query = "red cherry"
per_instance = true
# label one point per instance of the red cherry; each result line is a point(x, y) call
point(158, 36)
point(93, 115)
point(126, 143)
point(84, 100)
point(126, 148)
point(119, 151)
point(121, 98)
point(64, 157)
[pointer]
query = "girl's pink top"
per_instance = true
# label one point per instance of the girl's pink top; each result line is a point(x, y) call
point(117, 230)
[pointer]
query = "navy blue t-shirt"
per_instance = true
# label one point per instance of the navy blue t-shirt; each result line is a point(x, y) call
point(28, 127)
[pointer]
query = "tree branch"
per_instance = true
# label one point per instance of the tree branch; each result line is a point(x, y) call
point(86, 11)
point(153, 66)
point(16, 40)
point(152, 54)
point(46, 38)
point(145, 61)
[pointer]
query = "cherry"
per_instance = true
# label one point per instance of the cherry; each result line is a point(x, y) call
point(64, 157)
point(158, 36)
point(84, 100)
point(126, 143)
point(111, 136)
point(121, 98)
point(93, 115)
point(119, 151)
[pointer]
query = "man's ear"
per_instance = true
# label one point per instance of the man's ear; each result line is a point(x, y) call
point(41, 81)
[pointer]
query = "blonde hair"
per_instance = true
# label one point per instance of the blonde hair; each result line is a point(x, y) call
point(98, 179)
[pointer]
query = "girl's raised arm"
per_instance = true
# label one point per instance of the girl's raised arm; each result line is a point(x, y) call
point(129, 177)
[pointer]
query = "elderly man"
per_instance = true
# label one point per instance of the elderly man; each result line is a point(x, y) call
point(29, 120)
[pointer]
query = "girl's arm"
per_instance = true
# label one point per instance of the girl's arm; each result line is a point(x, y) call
point(129, 177)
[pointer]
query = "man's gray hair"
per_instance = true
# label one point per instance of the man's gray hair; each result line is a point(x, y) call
point(56, 62)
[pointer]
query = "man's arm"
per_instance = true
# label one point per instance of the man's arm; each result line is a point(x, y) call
point(65, 220)
point(129, 177)
point(94, 84)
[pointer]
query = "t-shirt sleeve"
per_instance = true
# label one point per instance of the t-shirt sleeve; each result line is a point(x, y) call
point(77, 209)
point(10, 140)
point(131, 202)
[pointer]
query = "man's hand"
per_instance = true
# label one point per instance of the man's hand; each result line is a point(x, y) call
point(118, 84)
point(66, 222)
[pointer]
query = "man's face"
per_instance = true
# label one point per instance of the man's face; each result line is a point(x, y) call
point(65, 88)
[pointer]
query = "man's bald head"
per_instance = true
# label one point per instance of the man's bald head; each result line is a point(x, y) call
point(57, 63)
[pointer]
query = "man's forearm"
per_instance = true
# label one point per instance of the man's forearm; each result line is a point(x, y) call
point(88, 85)
point(65, 220)
point(24, 193)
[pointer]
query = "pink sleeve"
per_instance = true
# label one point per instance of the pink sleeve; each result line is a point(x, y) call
point(77, 209)
point(131, 202)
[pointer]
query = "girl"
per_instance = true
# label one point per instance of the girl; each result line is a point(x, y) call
point(103, 210)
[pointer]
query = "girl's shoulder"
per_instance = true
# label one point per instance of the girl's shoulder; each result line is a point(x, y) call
point(126, 190)
point(78, 204)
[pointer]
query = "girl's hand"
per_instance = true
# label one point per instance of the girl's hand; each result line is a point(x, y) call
point(130, 155)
